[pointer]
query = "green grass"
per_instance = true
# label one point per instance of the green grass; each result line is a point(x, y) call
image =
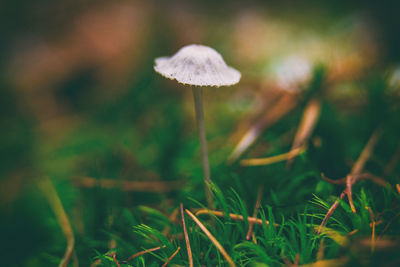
point(141, 137)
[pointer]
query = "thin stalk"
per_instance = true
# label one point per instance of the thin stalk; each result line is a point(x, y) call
point(307, 125)
point(170, 258)
point(360, 163)
point(50, 193)
point(355, 171)
point(257, 206)
point(235, 217)
point(198, 105)
point(273, 159)
point(144, 252)
point(373, 223)
point(212, 238)
point(189, 250)
point(282, 107)
point(115, 260)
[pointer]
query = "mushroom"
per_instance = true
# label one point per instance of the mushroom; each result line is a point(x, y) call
point(198, 65)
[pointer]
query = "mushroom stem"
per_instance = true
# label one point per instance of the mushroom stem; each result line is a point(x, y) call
point(198, 106)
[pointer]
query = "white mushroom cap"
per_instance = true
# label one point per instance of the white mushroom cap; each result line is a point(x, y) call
point(197, 65)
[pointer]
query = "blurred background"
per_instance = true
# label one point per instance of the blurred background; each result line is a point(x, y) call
point(80, 102)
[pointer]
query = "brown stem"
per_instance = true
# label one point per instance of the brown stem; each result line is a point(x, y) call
point(306, 127)
point(257, 206)
point(349, 193)
point(170, 258)
point(330, 212)
point(236, 217)
point(283, 105)
point(373, 229)
point(188, 248)
point(355, 171)
point(52, 197)
point(273, 159)
point(360, 163)
point(212, 238)
point(115, 260)
point(144, 252)
point(366, 152)
point(356, 178)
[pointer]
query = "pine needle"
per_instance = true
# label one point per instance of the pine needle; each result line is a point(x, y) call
point(330, 212)
point(235, 217)
point(212, 238)
point(115, 259)
point(373, 229)
point(269, 160)
point(188, 248)
point(257, 206)
point(349, 181)
point(355, 171)
point(362, 176)
point(309, 120)
point(285, 104)
point(360, 163)
point(172, 256)
point(144, 252)
point(54, 200)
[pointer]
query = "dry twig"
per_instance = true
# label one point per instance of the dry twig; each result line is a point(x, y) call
point(269, 160)
point(296, 260)
point(359, 177)
point(236, 217)
point(212, 238)
point(373, 229)
point(52, 197)
point(288, 263)
point(172, 256)
point(144, 252)
point(188, 248)
point(257, 206)
point(307, 125)
point(285, 104)
point(115, 259)
point(355, 171)
point(330, 212)
point(349, 182)
point(360, 163)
